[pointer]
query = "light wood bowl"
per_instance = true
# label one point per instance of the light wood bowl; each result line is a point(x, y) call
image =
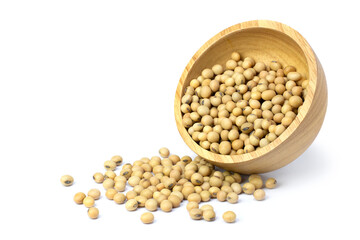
point(264, 41)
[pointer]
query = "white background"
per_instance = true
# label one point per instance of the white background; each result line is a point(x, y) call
point(81, 81)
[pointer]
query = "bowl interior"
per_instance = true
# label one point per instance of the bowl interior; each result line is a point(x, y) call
point(262, 44)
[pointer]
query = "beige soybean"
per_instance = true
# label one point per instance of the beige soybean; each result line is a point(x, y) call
point(232, 197)
point(131, 205)
point(293, 76)
point(215, 181)
point(194, 197)
point(229, 216)
point(110, 165)
point(225, 147)
point(207, 73)
point(147, 218)
point(138, 189)
point(295, 101)
point(119, 198)
point(235, 56)
point(257, 182)
point(175, 200)
point(164, 152)
point(108, 183)
point(187, 190)
point(110, 174)
point(205, 196)
point(270, 183)
point(93, 212)
point(259, 194)
point(94, 193)
point(148, 193)
point(110, 193)
point(248, 188)
point(79, 197)
point(166, 206)
point(231, 64)
point(197, 179)
point(151, 205)
point(98, 177)
point(288, 69)
point(134, 180)
point(217, 69)
point(209, 215)
point(120, 186)
point(196, 213)
point(178, 194)
point(236, 187)
point(221, 196)
point(67, 180)
point(117, 159)
point(226, 187)
point(131, 195)
point(141, 200)
point(88, 202)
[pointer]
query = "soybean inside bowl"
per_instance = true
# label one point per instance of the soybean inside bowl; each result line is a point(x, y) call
point(264, 41)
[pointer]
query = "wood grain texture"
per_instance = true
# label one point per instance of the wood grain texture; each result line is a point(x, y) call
point(264, 41)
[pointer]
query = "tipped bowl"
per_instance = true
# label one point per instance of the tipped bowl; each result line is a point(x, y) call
point(264, 41)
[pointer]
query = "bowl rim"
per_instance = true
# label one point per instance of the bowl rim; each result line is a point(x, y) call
point(310, 60)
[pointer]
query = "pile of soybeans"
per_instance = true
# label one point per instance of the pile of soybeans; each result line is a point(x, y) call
point(243, 106)
point(164, 182)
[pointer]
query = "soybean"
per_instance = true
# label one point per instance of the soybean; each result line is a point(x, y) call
point(259, 194)
point(196, 213)
point(88, 202)
point(164, 152)
point(119, 198)
point(79, 197)
point(98, 177)
point(67, 180)
point(131, 205)
point(110, 165)
point(209, 215)
point(151, 205)
point(93, 212)
point(110, 193)
point(270, 183)
point(166, 206)
point(147, 218)
point(94, 193)
point(229, 216)
point(117, 159)
point(248, 188)
point(232, 197)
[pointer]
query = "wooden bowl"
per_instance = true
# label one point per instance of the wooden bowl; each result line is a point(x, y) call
point(264, 41)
